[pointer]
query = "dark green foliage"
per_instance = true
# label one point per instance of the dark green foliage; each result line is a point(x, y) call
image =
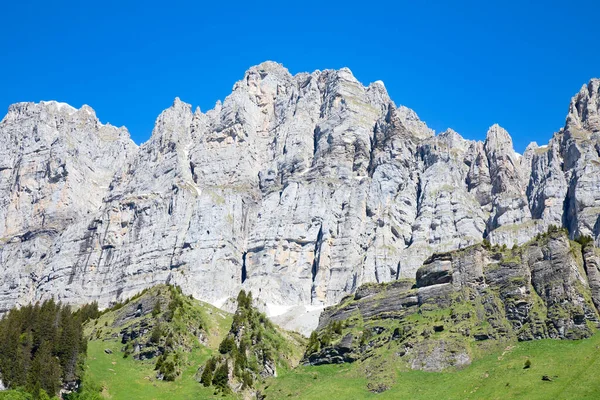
point(585, 240)
point(313, 343)
point(170, 342)
point(42, 346)
point(552, 229)
point(207, 374)
point(221, 376)
point(366, 336)
point(527, 364)
point(45, 371)
point(252, 343)
point(336, 327)
point(167, 366)
point(328, 335)
point(159, 362)
point(247, 380)
point(88, 312)
point(168, 370)
point(227, 344)
point(486, 244)
point(156, 334)
point(175, 303)
point(156, 309)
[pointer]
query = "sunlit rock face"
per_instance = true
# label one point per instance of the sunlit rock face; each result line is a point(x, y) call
point(297, 187)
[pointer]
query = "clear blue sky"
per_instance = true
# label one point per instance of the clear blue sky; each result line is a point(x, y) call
point(464, 65)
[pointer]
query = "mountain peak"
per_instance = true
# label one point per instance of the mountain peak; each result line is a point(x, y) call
point(584, 110)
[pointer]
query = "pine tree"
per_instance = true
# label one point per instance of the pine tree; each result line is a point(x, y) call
point(207, 374)
point(221, 376)
point(45, 371)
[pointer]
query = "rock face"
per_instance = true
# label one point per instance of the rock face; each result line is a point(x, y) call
point(297, 188)
point(545, 289)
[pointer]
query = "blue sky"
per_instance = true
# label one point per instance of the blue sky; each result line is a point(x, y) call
point(464, 65)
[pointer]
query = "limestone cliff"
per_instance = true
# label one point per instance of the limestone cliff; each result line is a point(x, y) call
point(299, 188)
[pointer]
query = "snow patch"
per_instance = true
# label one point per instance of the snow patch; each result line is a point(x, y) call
point(274, 310)
point(314, 308)
point(219, 302)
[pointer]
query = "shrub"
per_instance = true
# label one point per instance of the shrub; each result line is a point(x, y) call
point(227, 345)
point(337, 327)
point(221, 376)
point(527, 364)
point(156, 334)
point(366, 336)
point(585, 240)
point(156, 309)
point(207, 374)
point(313, 343)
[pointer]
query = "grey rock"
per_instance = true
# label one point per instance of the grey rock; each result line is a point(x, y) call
point(299, 188)
point(539, 290)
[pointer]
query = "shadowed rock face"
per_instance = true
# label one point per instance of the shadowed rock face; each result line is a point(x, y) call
point(547, 288)
point(297, 188)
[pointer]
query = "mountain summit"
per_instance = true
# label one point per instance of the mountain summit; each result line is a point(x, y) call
point(298, 188)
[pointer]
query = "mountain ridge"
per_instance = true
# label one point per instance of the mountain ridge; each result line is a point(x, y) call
point(306, 184)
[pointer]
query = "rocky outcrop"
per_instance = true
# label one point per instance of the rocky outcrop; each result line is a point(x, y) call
point(299, 188)
point(547, 288)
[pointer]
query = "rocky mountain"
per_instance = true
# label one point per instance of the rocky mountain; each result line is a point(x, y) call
point(464, 301)
point(298, 188)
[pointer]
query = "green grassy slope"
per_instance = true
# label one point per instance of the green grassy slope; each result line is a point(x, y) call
point(129, 379)
point(122, 377)
point(572, 365)
point(497, 372)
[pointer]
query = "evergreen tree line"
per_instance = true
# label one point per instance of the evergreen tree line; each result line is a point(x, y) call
point(42, 346)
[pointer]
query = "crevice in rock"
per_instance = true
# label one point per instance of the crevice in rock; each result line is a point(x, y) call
point(373, 142)
point(419, 193)
point(244, 272)
point(193, 171)
point(316, 136)
point(566, 215)
point(317, 253)
point(398, 271)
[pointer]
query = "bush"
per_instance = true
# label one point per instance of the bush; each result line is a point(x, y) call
point(337, 327)
point(168, 370)
point(156, 334)
point(221, 376)
point(313, 343)
point(585, 240)
point(527, 364)
point(247, 380)
point(366, 336)
point(227, 345)
point(156, 309)
point(207, 374)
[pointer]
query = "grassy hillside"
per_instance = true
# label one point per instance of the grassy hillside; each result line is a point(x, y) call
point(196, 328)
point(129, 379)
point(497, 373)
point(572, 367)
